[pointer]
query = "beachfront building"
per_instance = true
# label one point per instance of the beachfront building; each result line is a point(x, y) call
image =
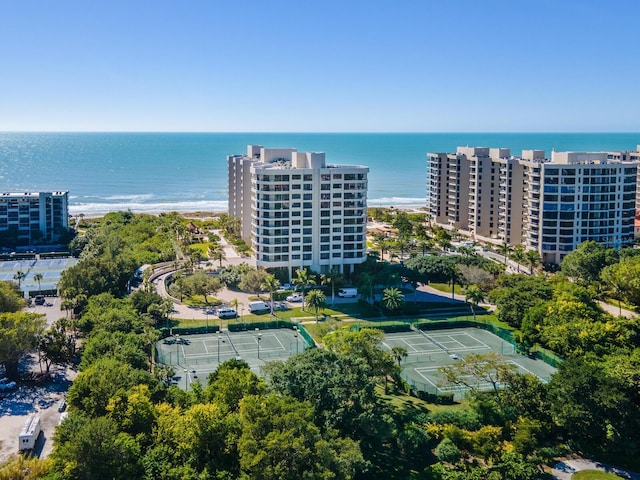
point(33, 218)
point(298, 211)
point(548, 205)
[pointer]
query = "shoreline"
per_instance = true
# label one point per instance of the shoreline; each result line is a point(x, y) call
point(205, 214)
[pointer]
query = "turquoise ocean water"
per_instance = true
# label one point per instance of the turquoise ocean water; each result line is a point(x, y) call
point(150, 172)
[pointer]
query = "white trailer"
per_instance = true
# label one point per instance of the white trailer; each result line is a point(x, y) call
point(29, 434)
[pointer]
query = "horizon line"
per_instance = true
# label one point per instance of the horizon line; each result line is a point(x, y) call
point(534, 132)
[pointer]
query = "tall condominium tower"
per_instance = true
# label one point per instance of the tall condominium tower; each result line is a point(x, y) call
point(298, 211)
point(32, 218)
point(548, 205)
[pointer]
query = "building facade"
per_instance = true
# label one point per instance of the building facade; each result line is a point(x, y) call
point(550, 205)
point(297, 211)
point(33, 218)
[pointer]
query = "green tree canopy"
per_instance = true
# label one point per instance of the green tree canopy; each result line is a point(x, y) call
point(586, 262)
point(11, 299)
point(19, 333)
point(280, 441)
point(101, 381)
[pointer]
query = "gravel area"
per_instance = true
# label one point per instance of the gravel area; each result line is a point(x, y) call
point(31, 397)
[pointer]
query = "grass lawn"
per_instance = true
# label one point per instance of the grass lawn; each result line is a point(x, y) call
point(411, 405)
point(445, 287)
point(594, 475)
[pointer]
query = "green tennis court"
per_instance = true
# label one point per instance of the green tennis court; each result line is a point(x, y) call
point(195, 356)
point(428, 351)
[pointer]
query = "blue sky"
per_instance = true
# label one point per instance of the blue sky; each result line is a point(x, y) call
point(325, 66)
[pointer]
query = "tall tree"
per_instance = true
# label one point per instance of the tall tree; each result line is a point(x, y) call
point(303, 280)
point(19, 276)
point(11, 298)
point(504, 248)
point(585, 262)
point(474, 296)
point(38, 278)
point(216, 252)
point(280, 441)
point(334, 278)
point(316, 300)
point(19, 333)
point(399, 353)
point(518, 256)
point(271, 283)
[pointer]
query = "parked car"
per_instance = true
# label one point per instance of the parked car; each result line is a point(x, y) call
point(294, 298)
point(39, 300)
point(348, 292)
point(226, 312)
point(62, 405)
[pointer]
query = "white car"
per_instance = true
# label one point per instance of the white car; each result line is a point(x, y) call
point(225, 312)
point(294, 298)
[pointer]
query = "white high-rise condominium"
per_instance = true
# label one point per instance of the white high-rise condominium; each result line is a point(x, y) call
point(548, 205)
point(32, 218)
point(297, 211)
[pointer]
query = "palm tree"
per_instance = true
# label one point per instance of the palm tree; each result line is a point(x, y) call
point(474, 296)
point(150, 336)
point(466, 251)
point(381, 243)
point(38, 278)
point(271, 283)
point(303, 280)
point(504, 248)
point(533, 259)
point(19, 276)
point(333, 278)
point(399, 353)
point(392, 298)
point(235, 303)
point(518, 256)
point(403, 245)
point(365, 284)
point(216, 252)
point(316, 300)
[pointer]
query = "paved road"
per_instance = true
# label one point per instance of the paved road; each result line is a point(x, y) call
point(565, 469)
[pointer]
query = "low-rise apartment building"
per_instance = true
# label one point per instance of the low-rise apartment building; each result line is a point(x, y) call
point(32, 218)
point(297, 211)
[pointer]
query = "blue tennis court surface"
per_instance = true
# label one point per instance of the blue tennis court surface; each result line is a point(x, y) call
point(50, 269)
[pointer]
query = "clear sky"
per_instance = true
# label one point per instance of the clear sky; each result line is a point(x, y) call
point(324, 65)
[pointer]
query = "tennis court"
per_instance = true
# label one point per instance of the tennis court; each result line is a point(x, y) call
point(195, 356)
point(430, 350)
point(50, 269)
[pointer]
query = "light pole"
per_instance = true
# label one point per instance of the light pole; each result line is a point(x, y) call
point(186, 379)
point(295, 335)
point(218, 347)
point(259, 338)
point(206, 314)
point(177, 349)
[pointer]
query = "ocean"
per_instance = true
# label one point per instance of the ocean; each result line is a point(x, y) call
point(153, 172)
